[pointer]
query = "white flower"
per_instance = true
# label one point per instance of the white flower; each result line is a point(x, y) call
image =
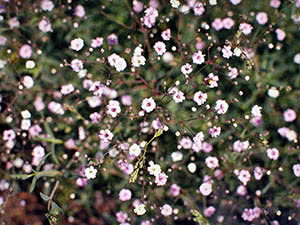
point(176, 156)
point(200, 97)
point(25, 124)
point(221, 106)
point(237, 52)
point(160, 48)
point(140, 209)
point(135, 150)
point(2, 63)
point(192, 167)
point(82, 73)
point(25, 114)
point(28, 82)
point(256, 111)
point(138, 60)
point(76, 65)
point(198, 58)
point(30, 64)
point(175, 3)
point(166, 210)
point(154, 169)
point(148, 104)
point(213, 2)
point(120, 64)
point(77, 44)
point(296, 169)
point(206, 188)
point(90, 172)
point(273, 92)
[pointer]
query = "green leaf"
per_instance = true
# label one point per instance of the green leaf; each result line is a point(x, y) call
point(21, 176)
point(44, 197)
point(33, 184)
point(48, 173)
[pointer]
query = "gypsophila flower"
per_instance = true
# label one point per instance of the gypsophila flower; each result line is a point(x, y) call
point(273, 153)
point(212, 80)
point(227, 53)
point(212, 162)
point(154, 169)
point(246, 28)
point(161, 179)
point(289, 115)
point(125, 195)
point(77, 44)
point(67, 89)
point(198, 58)
point(240, 146)
point(166, 35)
point(205, 188)
point(256, 111)
point(215, 131)
point(135, 150)
point(140, 209)
point(113, 108)
point(200, 97)
point(176, 156)
point(175, 3)
point(186, 69)
point(90, 172)
point(105, 135)
point(76, 65)
point(233, 73)
point(296, 169)
point(221, 106)
point(148, 104)
point(160, 48)
point(262, 18)
point(244, 176)
point(166, 210)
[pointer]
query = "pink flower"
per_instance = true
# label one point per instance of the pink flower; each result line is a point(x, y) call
point(45, 25)
point(126, 100)
point(9, 135)
point(160, 48)
point(251, 214)
point(67, 89)
point(76, 65)
point(175, 190)
point(47, 5)
point(289, 115)
point(217, 24)
point(212, 162)
point(121, 217)
point(258, 173)
point(125, 195)
point(98, 42)
point(280, 34)
point(215, 131)
point(206, 188)
point(209, 211)
point(105, 135)
point(25, 51)
point(166, 35)
point(245, 28)
point(150, 17)
point(228, 23)
point(186, 143)
point(137, 6)
point(244, 176)
point(148, 104)
point(161, 179)
point(2, 40)
point(273, 153)
point(113, 108)
point(275, 3)
point(95, 117)
point(262, 18)
point(233, 73)
point(235, 2)
point(166, 210)
point(79, 11)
